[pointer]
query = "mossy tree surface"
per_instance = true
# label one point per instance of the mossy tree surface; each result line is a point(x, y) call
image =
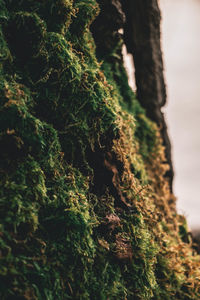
point(85, 210)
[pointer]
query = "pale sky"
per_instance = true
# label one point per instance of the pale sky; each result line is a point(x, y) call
point(181, 47)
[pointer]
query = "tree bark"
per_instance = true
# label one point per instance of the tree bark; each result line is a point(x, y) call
point(142, 39)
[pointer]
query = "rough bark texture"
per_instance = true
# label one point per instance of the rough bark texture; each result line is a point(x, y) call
point(142, 38)
point(85, 209)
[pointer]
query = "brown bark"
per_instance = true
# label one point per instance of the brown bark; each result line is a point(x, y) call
point(142, 38)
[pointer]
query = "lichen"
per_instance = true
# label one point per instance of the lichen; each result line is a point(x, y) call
point(85, 209)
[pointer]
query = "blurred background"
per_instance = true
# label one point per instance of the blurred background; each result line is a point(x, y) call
point(180, 41)
point(180, 29)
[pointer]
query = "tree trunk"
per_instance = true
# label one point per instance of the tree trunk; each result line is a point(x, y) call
point(86, 210)
point(142, 38)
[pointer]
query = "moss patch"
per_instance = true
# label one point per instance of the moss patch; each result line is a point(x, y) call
point(85, 210)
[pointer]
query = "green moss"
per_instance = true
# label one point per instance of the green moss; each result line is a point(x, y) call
point(87, 10)
point(78, 220)
point(145, 130)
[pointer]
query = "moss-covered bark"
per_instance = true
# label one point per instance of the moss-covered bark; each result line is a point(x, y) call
point(142, 38)
point(86, 212)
